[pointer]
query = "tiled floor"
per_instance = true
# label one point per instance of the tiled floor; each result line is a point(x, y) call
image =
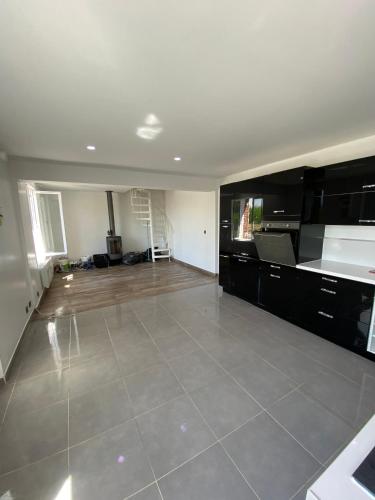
point(186, 395)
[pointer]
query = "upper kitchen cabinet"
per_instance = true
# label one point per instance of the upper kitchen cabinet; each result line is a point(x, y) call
point(356, 176)
point(341, 194)
point(226, 196)
point(283, 195)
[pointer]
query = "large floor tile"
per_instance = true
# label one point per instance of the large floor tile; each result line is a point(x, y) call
point(195, 370)
point(173, 433)
point(28, 437)
point(152, 387)
point(50, 334)
point(210, 476)
point(37, 392)
point(98, 411)
point(224, 405)
point(265, 383)
point(271, 460)
point(35, 363)
point(43, 480)
point(5, 394)
point(87, 347)
point(161, 325)
point(149, 493)
point(131, 334)
point(293, 363)
point(176, 345)
point(112, 465)
point(229, 351)
point(316, 428)
point(352, 402)
point(134, 358)
point(85, 376)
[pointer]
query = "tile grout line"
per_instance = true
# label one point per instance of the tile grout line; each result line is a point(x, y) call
point(199, 412)
point(132, 405)
point(252, 397)
point(70, 343)
point(319, 471)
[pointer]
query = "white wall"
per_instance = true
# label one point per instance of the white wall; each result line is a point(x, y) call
point(86, 221)
point(14, 284)
point(190, 214)
point(350, 244)
point(134, 234)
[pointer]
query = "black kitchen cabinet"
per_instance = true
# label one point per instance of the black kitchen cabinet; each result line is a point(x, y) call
point(344, 209)
point(224, 272)
point(334, 308)
point(244, 277)
point(283, 195)
point(278, 289)
point(226, 197)
point(354, 176)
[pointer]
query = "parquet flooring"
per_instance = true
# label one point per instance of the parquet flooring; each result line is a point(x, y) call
point(84, 290)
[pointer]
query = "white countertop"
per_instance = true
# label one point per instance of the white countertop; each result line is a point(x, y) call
point(337, 483)
point(341, 270)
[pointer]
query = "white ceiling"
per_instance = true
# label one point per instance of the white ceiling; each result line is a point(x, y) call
point(229, 84)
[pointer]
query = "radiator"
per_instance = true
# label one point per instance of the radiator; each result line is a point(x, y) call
point(46, 273)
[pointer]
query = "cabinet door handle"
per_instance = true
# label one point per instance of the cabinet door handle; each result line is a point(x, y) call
point(225, 227)
point(225, 220)
point(278, 211)
point(242, 260)
point(329, 279)
point(274, 267)
point(325, 290)
point(366, 220)
point(368, 186)
point(275, 276)
point(224, 256)
point(245, 254)
point(325, 315)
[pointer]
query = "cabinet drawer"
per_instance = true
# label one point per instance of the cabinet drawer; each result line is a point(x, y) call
point(344, 299)
point(347, 333)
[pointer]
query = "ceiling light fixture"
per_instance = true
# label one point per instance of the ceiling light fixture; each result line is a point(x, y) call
point(177, 158)
point(90, 147)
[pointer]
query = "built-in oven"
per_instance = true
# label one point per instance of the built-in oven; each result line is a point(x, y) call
point(277, 241)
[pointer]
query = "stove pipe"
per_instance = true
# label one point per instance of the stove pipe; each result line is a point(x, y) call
point(114, 243)
point(112, 230)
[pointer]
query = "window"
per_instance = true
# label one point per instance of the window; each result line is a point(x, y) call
point(47, 223)
point(246, 218)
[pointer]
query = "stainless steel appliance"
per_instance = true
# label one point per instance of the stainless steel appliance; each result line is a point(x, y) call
point(278, 242)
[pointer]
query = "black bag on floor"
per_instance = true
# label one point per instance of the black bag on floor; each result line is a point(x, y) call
point(100, 260)
point(132, 258)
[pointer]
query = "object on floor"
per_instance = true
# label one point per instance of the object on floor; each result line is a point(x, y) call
point(132, 258)
point(100, 260)
point(64, 265)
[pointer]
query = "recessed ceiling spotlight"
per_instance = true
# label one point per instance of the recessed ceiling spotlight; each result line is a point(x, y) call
point(90, 147)
point(177, 158)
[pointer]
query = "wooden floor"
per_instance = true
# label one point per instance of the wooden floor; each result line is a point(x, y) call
point(84, 290)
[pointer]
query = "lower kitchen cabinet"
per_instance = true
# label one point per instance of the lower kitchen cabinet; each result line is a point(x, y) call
point(334, 308)
point(244, 277)
point(224, 272)
point(277, 289)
